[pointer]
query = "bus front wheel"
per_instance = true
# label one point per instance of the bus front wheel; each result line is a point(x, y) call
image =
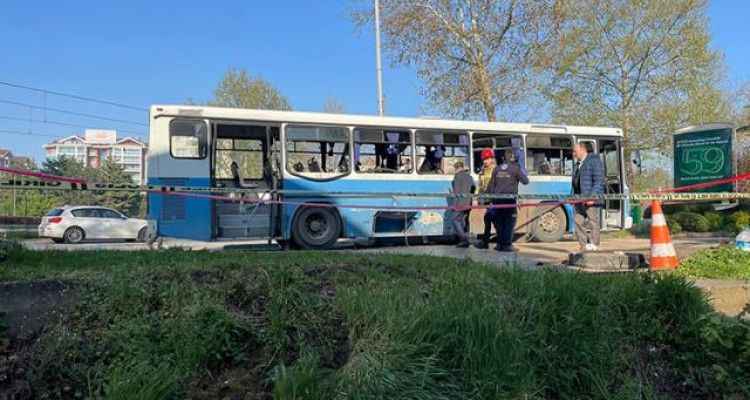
point(549, 226)
point(316, 228)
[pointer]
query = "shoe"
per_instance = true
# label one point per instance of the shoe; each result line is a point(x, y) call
point(463, 245)
point(482, 245)
point(506, 249)
point(591, 247)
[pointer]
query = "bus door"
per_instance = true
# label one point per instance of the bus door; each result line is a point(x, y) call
point(243, 160)
point(614, 212)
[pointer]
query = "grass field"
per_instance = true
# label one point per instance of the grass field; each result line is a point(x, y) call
point(724, 262)
point(333, 325)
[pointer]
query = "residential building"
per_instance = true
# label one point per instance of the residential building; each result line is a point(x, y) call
point(97, 145)
point(5, 156)
point(8, 160)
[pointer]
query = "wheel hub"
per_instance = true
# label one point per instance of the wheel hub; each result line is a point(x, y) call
point(317, 226)
point(549, 222)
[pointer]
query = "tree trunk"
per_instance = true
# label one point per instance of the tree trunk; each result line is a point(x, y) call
point(486, 94)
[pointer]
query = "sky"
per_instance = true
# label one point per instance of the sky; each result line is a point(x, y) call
point(143, 52)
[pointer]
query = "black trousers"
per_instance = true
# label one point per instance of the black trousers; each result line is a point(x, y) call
point(489, 220)
point(505, 222)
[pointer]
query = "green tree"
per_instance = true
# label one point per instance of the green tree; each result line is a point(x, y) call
point(65, 166)
point(129, 202)
point(475, 57)
point(744, 105)
point(238, 89)
point(642, 65)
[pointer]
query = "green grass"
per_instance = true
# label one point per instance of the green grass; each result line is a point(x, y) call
point(322, 325)
point(720, 263)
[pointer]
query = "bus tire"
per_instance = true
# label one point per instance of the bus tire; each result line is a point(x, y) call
point(316, 228)
point(550, 226)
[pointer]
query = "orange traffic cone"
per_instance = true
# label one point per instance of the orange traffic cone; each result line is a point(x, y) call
point(663, 256)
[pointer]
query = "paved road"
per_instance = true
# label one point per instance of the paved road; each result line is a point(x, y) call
point(529, 254)
point(534, 254)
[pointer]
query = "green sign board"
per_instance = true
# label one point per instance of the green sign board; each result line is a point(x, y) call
point(703, 156)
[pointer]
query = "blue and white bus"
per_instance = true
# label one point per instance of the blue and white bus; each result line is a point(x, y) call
point(305, 155)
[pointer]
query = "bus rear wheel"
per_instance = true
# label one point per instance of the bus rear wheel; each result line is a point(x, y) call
point(316, 228)
point(550, 226)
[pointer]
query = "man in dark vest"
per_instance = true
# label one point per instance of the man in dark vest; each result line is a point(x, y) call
point(505, 180)
point(588, 180)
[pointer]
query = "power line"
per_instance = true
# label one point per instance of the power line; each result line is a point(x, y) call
point(141, 135)
point(73, 96)
point(29, 133)
point(71, 112)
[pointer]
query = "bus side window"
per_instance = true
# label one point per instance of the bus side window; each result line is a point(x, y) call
point(188, 139)
point(437, 152)
point(317, 152)
point(378, 151)
point(549, 155)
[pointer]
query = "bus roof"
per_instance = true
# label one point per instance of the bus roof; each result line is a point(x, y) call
point(271, 116)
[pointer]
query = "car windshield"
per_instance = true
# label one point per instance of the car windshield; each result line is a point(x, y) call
point(55, 213)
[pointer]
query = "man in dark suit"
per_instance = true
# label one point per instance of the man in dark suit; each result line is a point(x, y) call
point(588, 180)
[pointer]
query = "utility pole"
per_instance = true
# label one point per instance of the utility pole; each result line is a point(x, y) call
point(378, 67)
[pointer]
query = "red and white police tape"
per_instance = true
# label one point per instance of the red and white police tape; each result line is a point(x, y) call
point(54, 182)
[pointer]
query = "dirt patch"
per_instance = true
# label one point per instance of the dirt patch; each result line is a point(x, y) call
point(240, 383)
point(28, 307)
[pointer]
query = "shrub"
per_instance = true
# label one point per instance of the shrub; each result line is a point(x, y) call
point(674, 225)
point(738, 221)
point(641, 230)
point(715, 221)
point(692, 222)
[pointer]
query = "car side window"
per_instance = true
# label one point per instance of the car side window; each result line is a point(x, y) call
point(109, 214)
point(84, 213)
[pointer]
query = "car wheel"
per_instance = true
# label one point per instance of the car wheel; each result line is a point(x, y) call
point(316, 228)
point(74, 235)
point(142, 235)
point(550, 226)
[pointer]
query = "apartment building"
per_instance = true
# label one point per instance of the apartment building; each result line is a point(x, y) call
point(97, 145)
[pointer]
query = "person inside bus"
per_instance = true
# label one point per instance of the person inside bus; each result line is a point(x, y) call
point(588, 179)
point(312, 165)
point(433, 160)
point(485, 175)
point(505, 181)
point(343, 165)
point(462, 188)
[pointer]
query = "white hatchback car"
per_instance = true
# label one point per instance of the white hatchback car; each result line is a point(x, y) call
point(73, 224)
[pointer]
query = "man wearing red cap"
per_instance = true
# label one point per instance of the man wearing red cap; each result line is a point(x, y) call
point(485, 175)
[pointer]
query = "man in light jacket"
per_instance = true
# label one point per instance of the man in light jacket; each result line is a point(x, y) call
point(588, 180)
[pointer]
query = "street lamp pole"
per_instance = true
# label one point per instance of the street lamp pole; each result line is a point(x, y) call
point(378, 66)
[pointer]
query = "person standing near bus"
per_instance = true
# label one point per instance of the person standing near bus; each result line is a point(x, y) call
point(588, 180)
point(485, 175)
point(505, 181)
point(462, 188)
